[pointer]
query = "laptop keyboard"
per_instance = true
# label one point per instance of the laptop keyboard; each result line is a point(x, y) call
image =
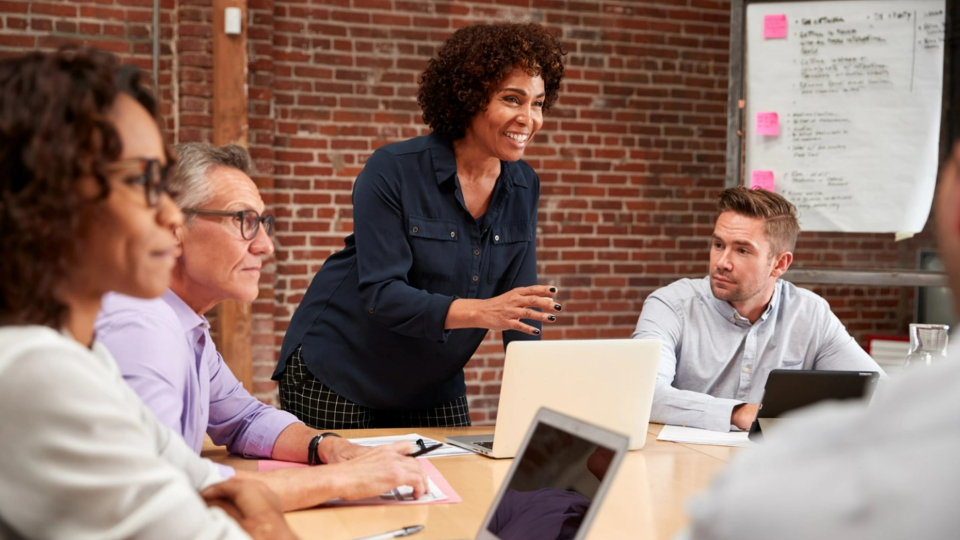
point(486, 444)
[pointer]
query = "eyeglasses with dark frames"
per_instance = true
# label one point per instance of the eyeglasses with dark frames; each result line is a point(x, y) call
point(148, 173)
point(250, 220)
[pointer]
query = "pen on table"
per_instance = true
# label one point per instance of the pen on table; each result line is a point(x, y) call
point(406, 531)
point(425, 450)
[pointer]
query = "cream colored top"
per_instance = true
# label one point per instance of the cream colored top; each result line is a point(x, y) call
point(81, 457)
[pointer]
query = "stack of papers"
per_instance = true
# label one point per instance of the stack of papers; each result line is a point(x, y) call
point(688, 435)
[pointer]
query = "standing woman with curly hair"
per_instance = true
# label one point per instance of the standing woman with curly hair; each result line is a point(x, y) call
point(84, 211)
point(443, 249)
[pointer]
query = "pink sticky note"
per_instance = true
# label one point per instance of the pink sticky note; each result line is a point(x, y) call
point(774, 26)
point(768, 123)
point(762, 179)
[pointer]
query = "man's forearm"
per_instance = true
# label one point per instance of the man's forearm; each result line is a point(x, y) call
point(293, 444)
point(298, 488)
point(693, 409)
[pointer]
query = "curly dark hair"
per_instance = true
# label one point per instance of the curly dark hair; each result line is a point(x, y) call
point(459, 80)
point(53, 131)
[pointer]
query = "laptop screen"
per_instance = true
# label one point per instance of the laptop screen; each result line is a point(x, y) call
point(552, 487)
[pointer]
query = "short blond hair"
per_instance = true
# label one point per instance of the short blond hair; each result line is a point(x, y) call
point(781, 225)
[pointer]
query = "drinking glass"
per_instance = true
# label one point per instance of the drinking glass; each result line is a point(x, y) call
point(928, 344)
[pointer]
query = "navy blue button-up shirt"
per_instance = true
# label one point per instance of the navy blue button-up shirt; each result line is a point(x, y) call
point(371, 324)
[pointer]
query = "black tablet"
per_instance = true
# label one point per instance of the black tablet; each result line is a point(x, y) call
point(789, 389)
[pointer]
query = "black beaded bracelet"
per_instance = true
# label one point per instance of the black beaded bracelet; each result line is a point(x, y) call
point(313, 457)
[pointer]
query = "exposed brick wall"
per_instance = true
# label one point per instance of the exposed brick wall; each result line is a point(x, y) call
point(124, 27)
point(630, 159)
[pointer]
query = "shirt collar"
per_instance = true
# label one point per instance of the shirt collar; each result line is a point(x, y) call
point(445, 163)
point(730, 313)
point(188, 318)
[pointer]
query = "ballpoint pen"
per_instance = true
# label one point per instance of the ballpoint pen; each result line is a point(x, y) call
point(426, 449)
point(406, 531)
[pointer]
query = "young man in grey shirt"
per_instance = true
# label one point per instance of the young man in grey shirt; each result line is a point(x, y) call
point(724, 333)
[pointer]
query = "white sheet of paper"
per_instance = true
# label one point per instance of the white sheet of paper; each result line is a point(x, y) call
point(691, 435)
point(858, 87)
point(447, 450)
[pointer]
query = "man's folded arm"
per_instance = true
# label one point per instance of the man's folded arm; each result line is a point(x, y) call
point(659, 320)
point(692, 409)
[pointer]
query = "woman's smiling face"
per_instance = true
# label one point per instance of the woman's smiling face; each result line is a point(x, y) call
point(511, 118)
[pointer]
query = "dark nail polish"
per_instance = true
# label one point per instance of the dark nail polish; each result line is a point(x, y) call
point(558, 307)
point(551, 318)
point(553, 289)
point(536, 332)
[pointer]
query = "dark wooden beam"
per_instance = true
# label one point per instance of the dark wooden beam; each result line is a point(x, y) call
point(230, 126)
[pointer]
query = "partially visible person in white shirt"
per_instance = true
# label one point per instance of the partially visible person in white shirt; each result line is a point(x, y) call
point(886, 472)
point(84, 211)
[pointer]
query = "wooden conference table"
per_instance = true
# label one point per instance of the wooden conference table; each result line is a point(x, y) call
point(647, 499)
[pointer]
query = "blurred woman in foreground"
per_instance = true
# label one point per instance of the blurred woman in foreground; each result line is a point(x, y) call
point(84, 211)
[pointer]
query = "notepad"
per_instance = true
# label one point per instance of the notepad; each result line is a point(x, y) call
point(688, 435)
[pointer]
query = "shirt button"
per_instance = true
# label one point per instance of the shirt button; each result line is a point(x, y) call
point(371, 311)
point(453, 234)
point(475, 278)
point(416, 230)
point(496, 238)
point(476, 252)
point(746, 369)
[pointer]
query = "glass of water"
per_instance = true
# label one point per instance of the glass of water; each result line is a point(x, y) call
point(928, 344)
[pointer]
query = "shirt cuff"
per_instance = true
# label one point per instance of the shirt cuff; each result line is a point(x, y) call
point(262, 435)
point(436, 320)
point(719, 413)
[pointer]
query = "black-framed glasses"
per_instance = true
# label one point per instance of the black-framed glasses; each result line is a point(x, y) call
point(250, 220)
point(148, 173)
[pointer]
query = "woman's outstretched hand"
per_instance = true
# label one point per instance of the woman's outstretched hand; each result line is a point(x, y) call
point(505, 312)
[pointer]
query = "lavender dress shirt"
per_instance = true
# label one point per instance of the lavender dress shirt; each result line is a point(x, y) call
point(167, 356)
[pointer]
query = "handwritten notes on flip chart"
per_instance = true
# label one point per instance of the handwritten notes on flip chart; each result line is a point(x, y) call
point(774, 26)
point(762, 179)
point(768, 123)
point(856, 85)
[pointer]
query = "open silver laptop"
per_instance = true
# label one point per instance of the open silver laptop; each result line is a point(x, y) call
point(605, 382)
point(556, 485)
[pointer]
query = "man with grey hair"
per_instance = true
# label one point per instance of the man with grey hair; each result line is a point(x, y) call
point(164, 349)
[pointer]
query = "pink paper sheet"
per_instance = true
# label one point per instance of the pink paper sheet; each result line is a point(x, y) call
point(265, 465)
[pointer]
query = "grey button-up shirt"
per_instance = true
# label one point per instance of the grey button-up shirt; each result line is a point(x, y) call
point(713, 359)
